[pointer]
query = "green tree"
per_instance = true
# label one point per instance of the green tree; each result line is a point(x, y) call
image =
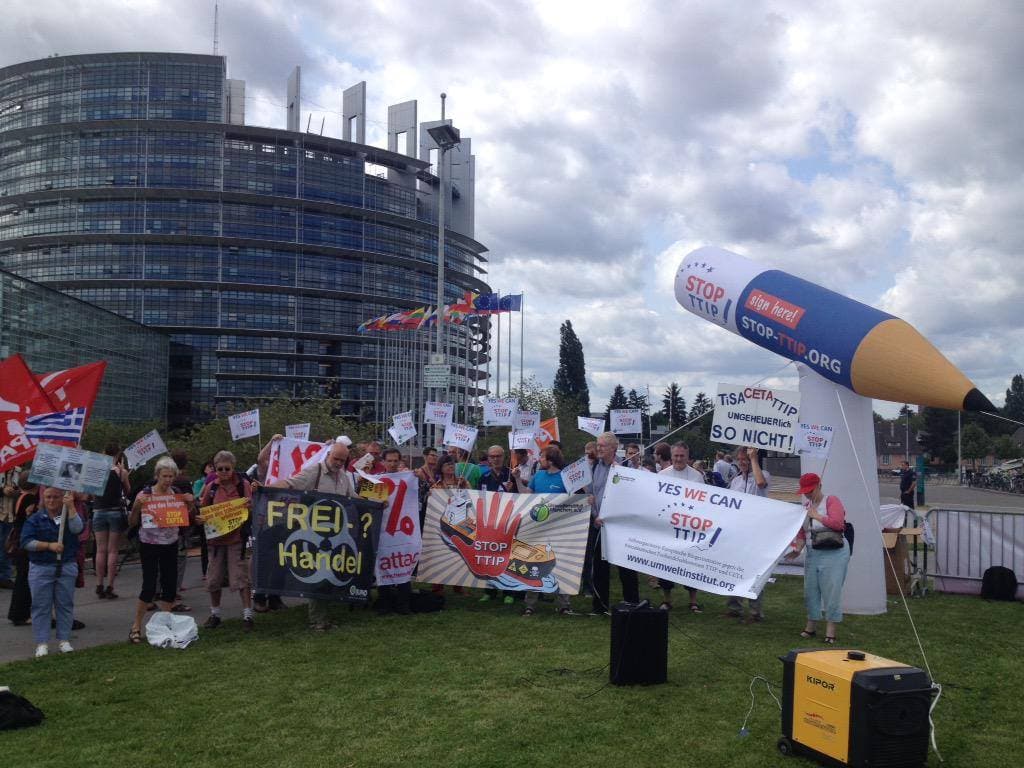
point(1005, 448)
point(636, 400)
point(700, 406)
point(1013, 408)
point(617, 401)
point(571, 378)
point(938, 434)
point(975, 443)
point(673, 406)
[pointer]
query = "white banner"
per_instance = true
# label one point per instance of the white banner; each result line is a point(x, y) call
point(245, 424)
point(757, 416)
point(460, 435)
point(577, 475)
point(813, 440)
point(297, 431)
point(144, 449)
point(438, 413)
point(710, 538)
point(70, 469)
point(626, 421)
point(288, 457)
point(518, 439)
point(528, 421)
point(591, 426)
point(398, 550)
point(402, 433)
point(499, 412)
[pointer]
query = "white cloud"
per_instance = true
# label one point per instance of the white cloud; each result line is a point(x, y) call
point(870, 146)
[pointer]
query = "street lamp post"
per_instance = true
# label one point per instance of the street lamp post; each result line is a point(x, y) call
point(445, 136)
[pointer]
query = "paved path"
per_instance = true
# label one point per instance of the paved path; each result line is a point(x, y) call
point(108, 621)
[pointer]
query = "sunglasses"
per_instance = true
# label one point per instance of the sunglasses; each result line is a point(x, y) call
point(224, 469)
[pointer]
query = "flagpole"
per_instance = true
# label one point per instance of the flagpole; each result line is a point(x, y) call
point(522, 338)
point(497, 388)
point(509, 391)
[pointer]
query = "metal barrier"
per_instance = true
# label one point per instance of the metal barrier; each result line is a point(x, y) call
point(967, 540)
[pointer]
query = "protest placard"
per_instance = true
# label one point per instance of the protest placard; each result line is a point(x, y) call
point(499, 412)
point(167, 511)
point(70, 469)
point(401, 434)
point(288, 457)
point(813, 440)
point(702, 536)
point(398, 550)
point(626, 421)
point(245, 424)
point(591, 426)
point(223, 518)
point(761, 417)
point(314, 544)
point(522, 439)
point(519, 542)
point(526, 421)
point(460, 435)
point(577, 475)
point(297, 431)
point(438, 413)
point(144, 449)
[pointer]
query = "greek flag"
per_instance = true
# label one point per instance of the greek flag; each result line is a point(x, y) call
point(60, 427)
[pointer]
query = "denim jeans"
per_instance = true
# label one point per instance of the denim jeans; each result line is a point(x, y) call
point(49, 592)
point(824, 574)
point(5, 564)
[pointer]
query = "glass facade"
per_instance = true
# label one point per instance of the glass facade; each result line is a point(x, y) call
point(53, 331)
point(257, 250)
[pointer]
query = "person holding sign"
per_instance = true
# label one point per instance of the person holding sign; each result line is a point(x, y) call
point(50, 536)
point(827, 557)
point(158, 544)
point(607, 445)
point(109, 523)
point(750, 478)
point(548, 480)
point(227, 551)
point(680, 469)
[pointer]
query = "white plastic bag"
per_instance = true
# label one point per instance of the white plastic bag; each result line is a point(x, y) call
point(171, 630)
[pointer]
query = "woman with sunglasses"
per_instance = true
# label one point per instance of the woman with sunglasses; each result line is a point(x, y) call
point(227, 552)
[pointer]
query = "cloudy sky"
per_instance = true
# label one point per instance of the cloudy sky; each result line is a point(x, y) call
point(874, 147)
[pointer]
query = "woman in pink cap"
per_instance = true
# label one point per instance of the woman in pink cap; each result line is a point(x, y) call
point(827, 557)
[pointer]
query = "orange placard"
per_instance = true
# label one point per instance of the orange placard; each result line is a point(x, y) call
point(170, 511)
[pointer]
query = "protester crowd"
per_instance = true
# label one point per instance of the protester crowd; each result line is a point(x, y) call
point(46, 530)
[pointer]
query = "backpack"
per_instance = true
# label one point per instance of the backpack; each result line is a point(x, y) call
point(999, 583)
point(246, 528)
point(17, 712)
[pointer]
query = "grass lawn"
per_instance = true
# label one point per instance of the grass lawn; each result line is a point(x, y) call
point(479, 685)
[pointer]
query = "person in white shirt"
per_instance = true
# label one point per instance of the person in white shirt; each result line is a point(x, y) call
point(753, 480)
point(724, 467)
point(681, 470)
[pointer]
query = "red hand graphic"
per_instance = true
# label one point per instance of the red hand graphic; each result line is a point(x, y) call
point(488, 556)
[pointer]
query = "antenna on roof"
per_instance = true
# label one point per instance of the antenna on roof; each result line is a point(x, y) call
point(216, 27)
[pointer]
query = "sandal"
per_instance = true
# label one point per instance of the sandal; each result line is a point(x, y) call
point(830, 640)
point(134, 636)
point(695, 608)
point(808, 633)
point(665, 606)
point(180, 608)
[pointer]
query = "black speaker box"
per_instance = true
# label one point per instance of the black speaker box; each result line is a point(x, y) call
point(639, 653)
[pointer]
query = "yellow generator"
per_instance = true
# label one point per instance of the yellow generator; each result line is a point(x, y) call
point(851, 708)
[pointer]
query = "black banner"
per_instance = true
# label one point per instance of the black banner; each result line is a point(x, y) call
point(315, 545)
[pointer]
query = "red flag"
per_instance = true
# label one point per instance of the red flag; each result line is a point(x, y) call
point(74, 387)
point(20, 397)
point(548, 432)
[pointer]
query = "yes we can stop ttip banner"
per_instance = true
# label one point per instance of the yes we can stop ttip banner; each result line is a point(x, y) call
point(710, 538)
point(315, 545)
point(513, 541)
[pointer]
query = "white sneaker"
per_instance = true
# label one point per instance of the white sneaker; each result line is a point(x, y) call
point(65, 647)
point(42, 650)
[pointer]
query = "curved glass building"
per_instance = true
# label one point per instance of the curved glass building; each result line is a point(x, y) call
point(130, 181)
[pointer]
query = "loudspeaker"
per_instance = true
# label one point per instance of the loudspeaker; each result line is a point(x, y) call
point(639, 652)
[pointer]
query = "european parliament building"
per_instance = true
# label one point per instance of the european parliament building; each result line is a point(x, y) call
point(130, 181)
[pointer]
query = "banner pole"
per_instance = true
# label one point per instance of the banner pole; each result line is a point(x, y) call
point(522, 337)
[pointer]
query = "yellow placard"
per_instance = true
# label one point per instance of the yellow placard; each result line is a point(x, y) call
point(223, 518)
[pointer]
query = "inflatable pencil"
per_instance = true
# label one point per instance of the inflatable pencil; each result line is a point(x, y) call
point(864, 349)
